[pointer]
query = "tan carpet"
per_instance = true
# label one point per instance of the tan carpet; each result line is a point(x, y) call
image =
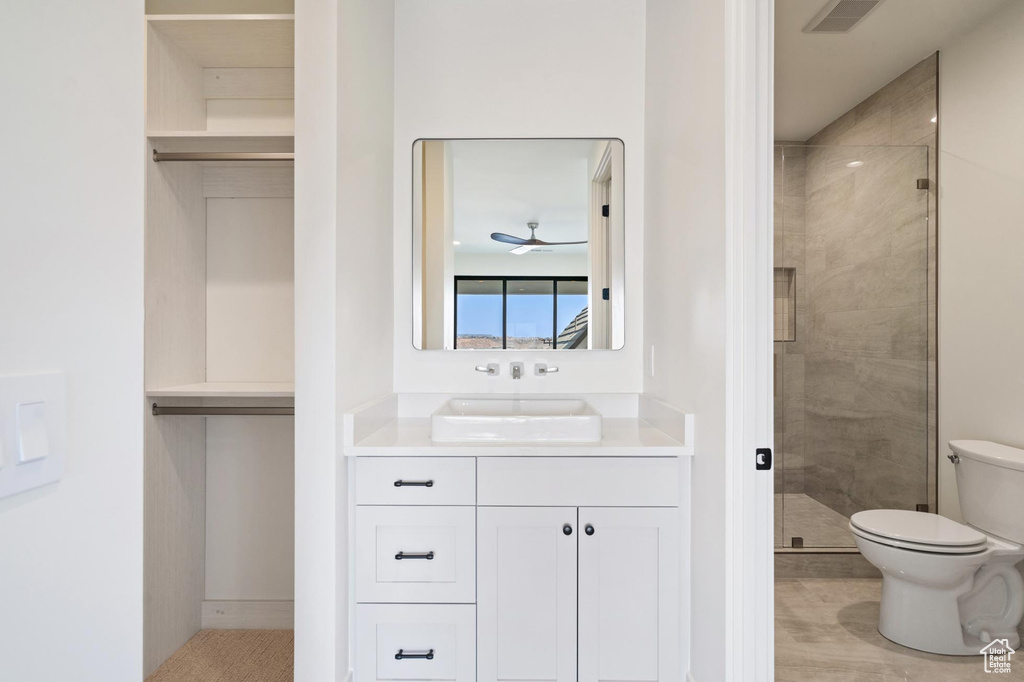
point(231, 656)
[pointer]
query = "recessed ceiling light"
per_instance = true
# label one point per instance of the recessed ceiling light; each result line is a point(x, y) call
point(456, 243)
point(935, 119)
point(855, 164)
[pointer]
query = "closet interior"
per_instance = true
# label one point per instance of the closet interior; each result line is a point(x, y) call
point(219, 391)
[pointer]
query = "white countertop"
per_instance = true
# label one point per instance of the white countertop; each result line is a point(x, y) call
point(622, 437)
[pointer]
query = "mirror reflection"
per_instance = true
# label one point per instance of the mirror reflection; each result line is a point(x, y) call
point(518, 244)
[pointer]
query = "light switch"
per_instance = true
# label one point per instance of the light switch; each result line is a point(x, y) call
point(33, 440)
point(33, 431)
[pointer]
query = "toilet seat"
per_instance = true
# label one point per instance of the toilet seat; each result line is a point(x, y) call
point(918, 531)
point(916, 546)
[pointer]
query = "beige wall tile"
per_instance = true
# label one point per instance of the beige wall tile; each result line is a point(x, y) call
point(912, 114)
point(794, 171)
point(873, 130)
point(794, 217)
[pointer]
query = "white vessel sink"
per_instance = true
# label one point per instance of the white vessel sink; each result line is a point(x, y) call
point(515, 421)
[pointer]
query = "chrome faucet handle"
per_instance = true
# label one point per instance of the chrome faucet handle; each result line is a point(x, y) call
point(491, 368)
point(540, 369)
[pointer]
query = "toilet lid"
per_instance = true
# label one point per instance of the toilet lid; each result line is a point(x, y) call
point(917, 527)
point(917, 546)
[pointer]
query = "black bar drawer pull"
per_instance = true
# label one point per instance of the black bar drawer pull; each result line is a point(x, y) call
point(401, 655)
point(422, 484)
point(429, 556)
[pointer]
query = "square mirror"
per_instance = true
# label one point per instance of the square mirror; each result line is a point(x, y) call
point(518, 244)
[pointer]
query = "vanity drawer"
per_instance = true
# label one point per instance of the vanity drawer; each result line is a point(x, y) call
point(416, 554)
point(578, 481)
point(445, 632)
point(416, 480)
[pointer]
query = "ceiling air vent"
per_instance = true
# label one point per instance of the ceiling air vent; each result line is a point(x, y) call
point(839, 16)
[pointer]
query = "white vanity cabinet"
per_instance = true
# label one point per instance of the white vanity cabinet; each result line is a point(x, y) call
point(602, 581)
point(574, 562)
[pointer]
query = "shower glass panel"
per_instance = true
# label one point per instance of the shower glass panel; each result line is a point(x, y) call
point(853, 256)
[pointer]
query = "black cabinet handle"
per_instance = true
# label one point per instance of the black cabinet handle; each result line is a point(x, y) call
point(429, 556)
point(567, 529)
point(589, 530)
point(422, 484)
point(402, 655)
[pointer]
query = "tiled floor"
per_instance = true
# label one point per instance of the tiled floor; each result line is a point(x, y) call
point(826, 631)
point(797, 514)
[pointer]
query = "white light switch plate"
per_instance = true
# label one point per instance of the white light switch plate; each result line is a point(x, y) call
point(33, 431)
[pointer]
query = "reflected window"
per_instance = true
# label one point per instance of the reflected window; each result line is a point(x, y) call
point(573, 314)
point(521, 313)
point(479, 313)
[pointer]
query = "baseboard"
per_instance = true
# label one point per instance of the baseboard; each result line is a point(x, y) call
point(248, 615)
point(805, 565)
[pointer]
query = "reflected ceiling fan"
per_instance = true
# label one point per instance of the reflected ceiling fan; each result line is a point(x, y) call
point(527, 245)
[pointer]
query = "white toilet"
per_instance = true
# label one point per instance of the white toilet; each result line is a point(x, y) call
point(947, 587)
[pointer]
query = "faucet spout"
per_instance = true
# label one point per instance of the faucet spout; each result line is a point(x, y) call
point(516, 369)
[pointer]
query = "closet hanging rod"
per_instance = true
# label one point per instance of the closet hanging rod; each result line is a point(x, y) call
point(223, 156)
point(159, 410)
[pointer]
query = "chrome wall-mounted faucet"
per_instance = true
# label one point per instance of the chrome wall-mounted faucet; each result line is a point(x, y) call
point(491, 369)
point(541, 369)
point(516, 368)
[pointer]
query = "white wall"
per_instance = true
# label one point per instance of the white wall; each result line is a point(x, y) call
point(343, 227)
point(532, 68)
point(317, 636)
point(543, 264)
point(366, 106)
point(685, 280)
point(981, 239)
point(71, 273)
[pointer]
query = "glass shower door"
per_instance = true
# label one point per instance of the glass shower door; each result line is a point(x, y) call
point(853, 301)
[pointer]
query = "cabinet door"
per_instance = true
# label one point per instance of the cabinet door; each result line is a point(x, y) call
point(628, 595)
point(526, 594)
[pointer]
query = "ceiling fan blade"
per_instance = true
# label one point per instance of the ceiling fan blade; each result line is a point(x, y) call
point(507, 238)
point(526, 248)
point(540, 243)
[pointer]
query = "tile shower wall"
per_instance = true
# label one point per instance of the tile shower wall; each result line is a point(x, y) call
point(857, 386)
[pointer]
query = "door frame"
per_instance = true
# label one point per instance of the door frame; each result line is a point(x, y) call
point(750, 628)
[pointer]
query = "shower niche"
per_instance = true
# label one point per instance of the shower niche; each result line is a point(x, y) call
point(785, 304)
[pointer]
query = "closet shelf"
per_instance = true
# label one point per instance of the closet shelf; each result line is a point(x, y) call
point(231, 40)
point(219, 389)
point(212, 141)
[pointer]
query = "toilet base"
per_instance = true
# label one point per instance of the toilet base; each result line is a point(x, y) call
point(929, 619)
point(924, 618)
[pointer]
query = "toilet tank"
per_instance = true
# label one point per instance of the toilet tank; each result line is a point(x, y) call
point(990, 484)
